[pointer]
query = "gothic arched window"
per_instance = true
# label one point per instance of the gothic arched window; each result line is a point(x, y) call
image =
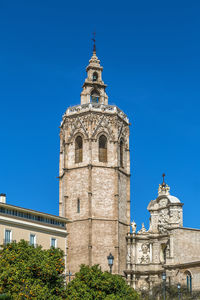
point(78, 206)
point(102, 148)
point(94, 76)
point(121, 153)
point(78, 149)
point(95, 96)
point(189, 281)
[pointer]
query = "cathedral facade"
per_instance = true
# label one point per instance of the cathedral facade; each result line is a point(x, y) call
point(94, 195)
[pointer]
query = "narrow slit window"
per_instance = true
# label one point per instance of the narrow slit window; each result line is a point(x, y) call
point(78, 206)
point(121, 150)
point(78, 149)
point(102, 148)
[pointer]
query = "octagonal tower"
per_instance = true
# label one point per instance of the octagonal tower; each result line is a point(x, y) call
point(94, 174)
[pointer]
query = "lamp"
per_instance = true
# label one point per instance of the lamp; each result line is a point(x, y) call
point(110, 259)
point(164, 282)
point(179, 290)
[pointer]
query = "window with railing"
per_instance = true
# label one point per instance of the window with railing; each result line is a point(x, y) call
point(17, 213)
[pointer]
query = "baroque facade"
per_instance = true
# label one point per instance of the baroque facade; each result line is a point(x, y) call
point(166, 247)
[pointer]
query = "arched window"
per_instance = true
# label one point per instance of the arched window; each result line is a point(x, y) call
point(95, 96)
point(102, 148)
point(121, 153)
point(189, 281)
point(94, 76)
point(78, 149)
point(78, 205)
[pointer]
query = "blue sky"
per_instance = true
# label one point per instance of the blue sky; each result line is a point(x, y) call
point(150, 51)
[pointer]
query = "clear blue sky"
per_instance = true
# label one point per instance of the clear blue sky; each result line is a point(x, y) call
point(150, 51)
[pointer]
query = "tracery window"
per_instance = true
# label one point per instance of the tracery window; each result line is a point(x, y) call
point(102, 148)
point(78, 149)
point(121, 153)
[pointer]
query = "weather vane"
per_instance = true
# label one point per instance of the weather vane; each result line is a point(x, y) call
point(163, 184)
point(94, 40)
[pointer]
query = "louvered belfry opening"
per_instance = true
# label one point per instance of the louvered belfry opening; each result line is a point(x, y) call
point(102, 148)
point(121, 150)
point(78, 149)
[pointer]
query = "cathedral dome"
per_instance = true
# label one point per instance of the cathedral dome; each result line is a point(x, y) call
point(173, 199)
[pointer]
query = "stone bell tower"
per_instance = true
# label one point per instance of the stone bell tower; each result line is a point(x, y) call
point(94, 191)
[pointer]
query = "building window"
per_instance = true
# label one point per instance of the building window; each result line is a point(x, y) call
point(54, 242)
point(33, 240)
point(78, 149)
point(189, 282)
point(95, 96)
point(121, 153)
point(78, 206)
point(94, 76)
point(8, 236)
point(102, 148)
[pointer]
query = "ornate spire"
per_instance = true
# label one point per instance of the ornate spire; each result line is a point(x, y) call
point(94, 87)
point(163, 188)
point(94, 45)
point(163, 175)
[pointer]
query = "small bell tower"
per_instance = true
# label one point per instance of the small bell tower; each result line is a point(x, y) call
point(94, 87)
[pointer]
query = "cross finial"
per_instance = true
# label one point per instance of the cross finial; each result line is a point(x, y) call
point(163, 183)
point(94, 40)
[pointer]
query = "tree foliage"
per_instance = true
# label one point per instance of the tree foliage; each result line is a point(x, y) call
point(27, 272)
point(91, 283)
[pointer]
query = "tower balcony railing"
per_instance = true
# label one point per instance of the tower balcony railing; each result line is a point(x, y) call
point(96, 107)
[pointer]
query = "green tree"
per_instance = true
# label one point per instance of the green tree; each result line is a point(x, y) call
point(91, 283)
point(27, 272)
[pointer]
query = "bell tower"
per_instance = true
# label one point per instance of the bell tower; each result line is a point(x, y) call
point(94, 173)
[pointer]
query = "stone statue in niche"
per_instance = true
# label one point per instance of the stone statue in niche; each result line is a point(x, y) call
point(133, 226)
point(145, 258)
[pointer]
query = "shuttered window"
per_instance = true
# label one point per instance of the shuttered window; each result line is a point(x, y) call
point(102, 148)
point(78, 149)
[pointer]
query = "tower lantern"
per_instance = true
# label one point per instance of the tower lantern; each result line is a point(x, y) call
point(94, 87)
